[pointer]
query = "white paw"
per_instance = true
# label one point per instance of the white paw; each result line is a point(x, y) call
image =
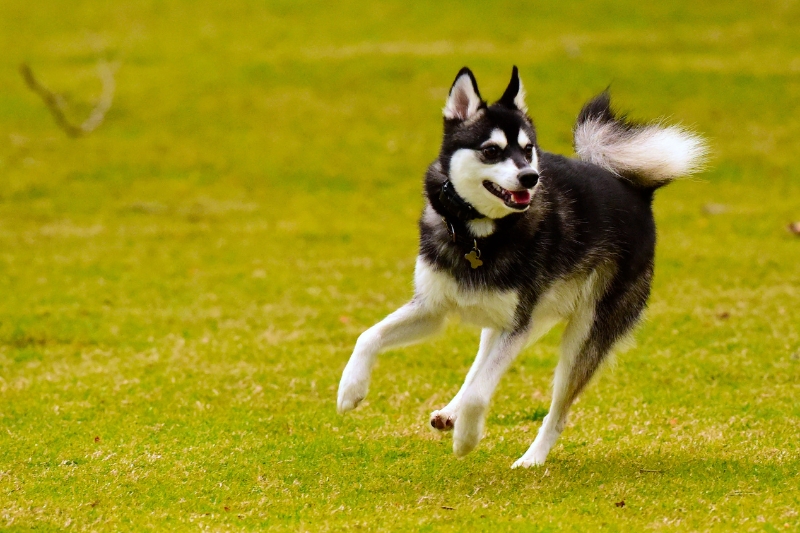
point(535, 456)
point(353, 388)
point(468, 430)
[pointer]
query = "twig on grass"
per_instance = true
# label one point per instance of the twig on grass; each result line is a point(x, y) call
point(55, 102)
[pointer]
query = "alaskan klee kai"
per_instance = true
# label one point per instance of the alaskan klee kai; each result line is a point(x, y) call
point(516, 239)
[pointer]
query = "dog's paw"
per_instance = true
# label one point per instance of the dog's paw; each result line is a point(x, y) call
point(522, 462)
point(535, 456)
point(443, 419)
point(468, 430)
point(350, 396)
point(352, 389)
point(467, 439)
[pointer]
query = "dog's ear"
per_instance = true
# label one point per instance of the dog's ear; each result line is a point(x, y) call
point(514, 97)
point(464, 99)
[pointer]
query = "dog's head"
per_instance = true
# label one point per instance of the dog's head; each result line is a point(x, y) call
point(489, 152)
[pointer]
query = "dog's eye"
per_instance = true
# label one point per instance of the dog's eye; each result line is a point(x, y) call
point(529, 152)
point(491, 152)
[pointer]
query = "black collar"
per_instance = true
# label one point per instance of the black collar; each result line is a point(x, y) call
point(457, 212)
point(455, 206)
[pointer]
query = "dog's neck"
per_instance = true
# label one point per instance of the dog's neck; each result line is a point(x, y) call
point(459, 216)
point(454, 206)
point(458, 213)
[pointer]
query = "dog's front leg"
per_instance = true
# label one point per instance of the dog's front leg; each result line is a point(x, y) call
point(412, 322)
point(445, 418)
point(473, 404)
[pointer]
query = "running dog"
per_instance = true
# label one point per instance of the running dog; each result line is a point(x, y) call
point(515, 239)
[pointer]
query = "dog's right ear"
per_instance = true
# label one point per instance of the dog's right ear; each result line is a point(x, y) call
point(464, 99)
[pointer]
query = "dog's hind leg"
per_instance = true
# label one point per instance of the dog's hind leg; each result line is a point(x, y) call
point(591, 334)
point(444, 419)
point(574, 343)
point(412, 322)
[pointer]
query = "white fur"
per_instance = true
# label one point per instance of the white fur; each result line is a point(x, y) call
point(656, 154)
point(481, 227)
point(449, 414)
point(463, 101)
point(497, 137)
point(468, 172)
point(410, 323)
point(473, 406)
point(522, 139)
point(557, 303)
point(581, 302)
point(519, 100)
point(440, 293)
point(436, 295)
point(572, 297)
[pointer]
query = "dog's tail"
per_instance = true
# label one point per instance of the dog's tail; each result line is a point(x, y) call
point(648, 155)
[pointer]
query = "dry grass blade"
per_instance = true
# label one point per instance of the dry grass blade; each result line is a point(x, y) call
point(55, 103)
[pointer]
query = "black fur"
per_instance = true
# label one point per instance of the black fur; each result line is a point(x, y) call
point(588, 234)
point(582, 217)
point(598, 108)
point(511, 91)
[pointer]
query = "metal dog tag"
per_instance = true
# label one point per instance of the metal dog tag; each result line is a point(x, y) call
point(474, 257)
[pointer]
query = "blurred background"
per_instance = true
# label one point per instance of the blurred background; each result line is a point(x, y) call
point(202, 262)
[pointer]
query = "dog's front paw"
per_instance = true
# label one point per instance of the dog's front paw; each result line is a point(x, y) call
point(353, 388)
point(468, 430)
point(443, 419)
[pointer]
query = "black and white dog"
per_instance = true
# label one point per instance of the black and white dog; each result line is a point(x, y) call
point(515, 239)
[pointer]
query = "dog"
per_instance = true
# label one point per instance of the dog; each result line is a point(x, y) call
point(516, 239)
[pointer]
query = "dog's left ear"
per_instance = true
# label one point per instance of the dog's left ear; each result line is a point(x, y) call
point(514, 97)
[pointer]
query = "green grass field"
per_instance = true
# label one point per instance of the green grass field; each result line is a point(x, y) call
point(182, 288)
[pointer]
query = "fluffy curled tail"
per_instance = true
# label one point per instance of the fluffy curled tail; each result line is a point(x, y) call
point(649, 155)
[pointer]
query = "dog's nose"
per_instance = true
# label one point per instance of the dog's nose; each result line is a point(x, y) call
point(528, 178)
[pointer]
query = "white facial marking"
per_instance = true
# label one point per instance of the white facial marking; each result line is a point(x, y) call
point(468, 172)
point(523, 139)
point(497, 137)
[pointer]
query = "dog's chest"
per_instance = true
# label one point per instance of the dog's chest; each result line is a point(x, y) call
point(438, 290)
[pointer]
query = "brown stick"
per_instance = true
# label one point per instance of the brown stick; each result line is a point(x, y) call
point(55, 103)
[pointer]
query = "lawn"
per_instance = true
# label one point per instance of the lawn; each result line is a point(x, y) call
point(182, 287)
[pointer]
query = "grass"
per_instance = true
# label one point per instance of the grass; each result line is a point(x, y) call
point(182, 288)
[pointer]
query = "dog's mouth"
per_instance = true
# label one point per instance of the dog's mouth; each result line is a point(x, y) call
point(513, 199)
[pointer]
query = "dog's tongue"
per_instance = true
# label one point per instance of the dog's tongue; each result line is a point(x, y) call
point(521, 197)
